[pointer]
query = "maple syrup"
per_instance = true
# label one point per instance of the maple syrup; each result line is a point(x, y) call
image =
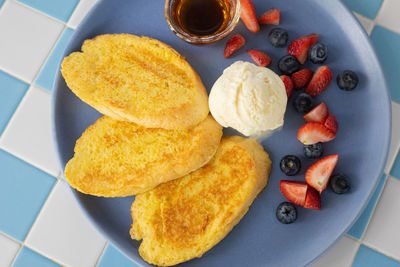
point(201, 17)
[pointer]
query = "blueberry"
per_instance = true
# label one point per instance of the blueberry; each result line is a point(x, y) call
point(290, 165)
point(303, 103)
point(288, 65)
point(313, 151)
point(278, 37)
point(339, 183)
point(347, 80)
point(286, 213)
point(318, 53)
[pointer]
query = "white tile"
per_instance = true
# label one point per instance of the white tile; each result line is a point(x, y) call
point(29, 136)
point(342, 254)
point(395, 142)
point(80, 11)
point(8, 250)
point(63, 233)
point(365, 22)
point(383, 231)
point(26, 39)
point(389, 15)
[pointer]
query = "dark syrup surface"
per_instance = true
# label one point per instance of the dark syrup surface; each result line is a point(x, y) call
point(201, 17)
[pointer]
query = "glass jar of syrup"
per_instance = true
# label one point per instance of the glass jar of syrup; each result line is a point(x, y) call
point(202, 21)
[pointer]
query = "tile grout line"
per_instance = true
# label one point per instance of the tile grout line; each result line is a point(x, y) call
point(380, 251)
point(374, 208)
point(2, 147)
point(23, 243)
point(101, 254)
point(39, 11)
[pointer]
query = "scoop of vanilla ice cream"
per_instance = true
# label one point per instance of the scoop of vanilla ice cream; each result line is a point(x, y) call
point(248, 98)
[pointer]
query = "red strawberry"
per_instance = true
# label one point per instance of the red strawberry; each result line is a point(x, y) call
point(317, 114)
point(320, 81)
point(313, 37)
point(259, 57)
point(272, 16)
point(331, 123)
point(313, 199)
point(294, 191)
point(318, 174)
point(300, 46)
point(248, 15)
point(288, 85)
point(233, 44)
point(314, 132)
point(301, 78)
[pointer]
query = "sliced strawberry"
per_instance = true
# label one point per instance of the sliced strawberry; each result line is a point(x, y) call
point(233, 44)
point(294, 191)
point(287, 81)
point(313, 37)
point(317, 114)
point(301, 78)
point(300, 46)
point(314, 132)
point(272, 16)
point(313, 199)
point(318, 174)
point(320, 81)
point(331, 123)
point(248, 15)
point(259, 57)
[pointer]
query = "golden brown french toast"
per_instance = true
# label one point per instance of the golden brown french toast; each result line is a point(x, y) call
point(117, 158)
point(184, 218)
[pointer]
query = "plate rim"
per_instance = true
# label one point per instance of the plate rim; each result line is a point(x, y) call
point(380, 73)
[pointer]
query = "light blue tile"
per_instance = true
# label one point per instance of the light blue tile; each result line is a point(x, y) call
point(395, 172)
point(11, 92)
point(112, 257)
point(60, 9)
point(48, 72)
point(387, 44)
point(1, 2)
point(359, 226)
point(30, 258)
point(23, 190)
point(368, 8)
point(367, 257)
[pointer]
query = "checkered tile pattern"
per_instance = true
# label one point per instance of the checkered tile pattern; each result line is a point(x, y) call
point(52, 230)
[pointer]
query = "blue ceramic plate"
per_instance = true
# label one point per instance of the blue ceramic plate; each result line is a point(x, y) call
point(362, 141)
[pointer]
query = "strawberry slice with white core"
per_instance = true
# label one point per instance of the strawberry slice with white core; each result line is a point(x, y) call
point(318, 174)
point(317, 114)
point(294, 191)
point(314, 132)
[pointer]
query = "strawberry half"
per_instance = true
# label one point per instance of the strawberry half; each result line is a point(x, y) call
point(233, 44)
point(248, 15)
point(313, 199)
point(331, 123)
point(318, 174)
point(287, 81)
point(301, 78)
point(320, 81)
point(259, 57)
point(272, 16)
point(300, 46)
point(294, 191)
point(314, 132)
point(317, 114)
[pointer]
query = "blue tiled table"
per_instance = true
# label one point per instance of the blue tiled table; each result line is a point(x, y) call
point(34, 187)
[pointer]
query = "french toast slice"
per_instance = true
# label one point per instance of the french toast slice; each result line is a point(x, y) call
point(184, 218)
point(137, 79)
point(117, 158)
